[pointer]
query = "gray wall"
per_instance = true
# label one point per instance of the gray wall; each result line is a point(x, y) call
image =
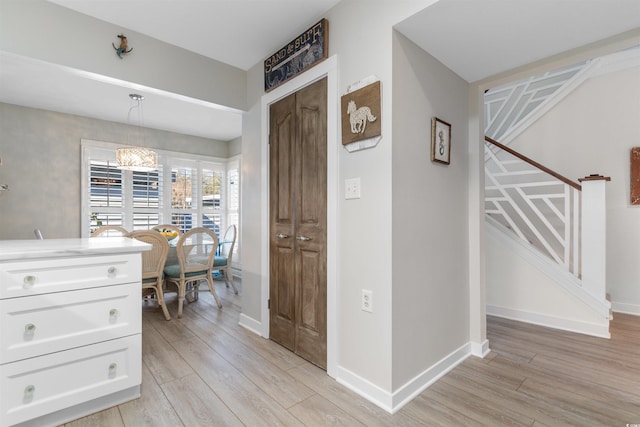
point(235, 147)
point(40, 152)
point(366, 344)
point(430, 237)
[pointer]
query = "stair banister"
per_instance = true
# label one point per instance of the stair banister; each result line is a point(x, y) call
point(534, 163)
point(538, 204)
point(570, 227)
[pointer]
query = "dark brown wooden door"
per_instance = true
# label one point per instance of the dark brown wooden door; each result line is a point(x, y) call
point(298, 222)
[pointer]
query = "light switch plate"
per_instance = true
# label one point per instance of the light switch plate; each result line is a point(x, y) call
point(352, 188)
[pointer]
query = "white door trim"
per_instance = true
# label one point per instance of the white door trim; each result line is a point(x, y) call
point(329, 69)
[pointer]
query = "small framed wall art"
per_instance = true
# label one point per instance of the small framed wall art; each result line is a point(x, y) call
point(440, 141)
point(635, 176)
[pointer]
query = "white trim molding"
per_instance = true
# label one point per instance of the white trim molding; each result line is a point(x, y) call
point(392, 402)
point(593, 329)
point(626, 308)
point(480, 349)
point(250, 324)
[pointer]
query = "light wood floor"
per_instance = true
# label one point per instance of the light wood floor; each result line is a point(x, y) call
point(205, 370)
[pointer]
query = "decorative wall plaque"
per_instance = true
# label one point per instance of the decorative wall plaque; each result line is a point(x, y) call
point(308, 49)
point(361, 114)
point(635, 176)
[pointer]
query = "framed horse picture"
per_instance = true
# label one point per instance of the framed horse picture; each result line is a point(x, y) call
point(361, 114)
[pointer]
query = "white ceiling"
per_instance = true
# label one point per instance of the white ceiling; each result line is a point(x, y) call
point(481, 38)
point(474, 38)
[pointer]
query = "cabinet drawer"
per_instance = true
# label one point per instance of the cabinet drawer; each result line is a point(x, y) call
point(41, 385)
point(26, 278)
point(41, 324)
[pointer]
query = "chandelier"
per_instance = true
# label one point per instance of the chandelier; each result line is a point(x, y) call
point(137, 158)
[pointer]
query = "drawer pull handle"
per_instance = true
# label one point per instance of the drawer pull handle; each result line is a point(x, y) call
point(112, 369)
point(28, 281)
point(28, 390)
point(113, 312)
point(112, 271)
point(29, 328)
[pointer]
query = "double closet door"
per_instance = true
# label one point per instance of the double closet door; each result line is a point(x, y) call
point(298, 222)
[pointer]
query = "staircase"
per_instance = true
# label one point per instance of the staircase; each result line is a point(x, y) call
point(540, 206)
point(545, 256)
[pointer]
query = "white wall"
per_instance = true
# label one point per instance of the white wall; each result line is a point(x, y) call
point(40, 152)
point(430, 237)
point(593, 131)
point(520, 286)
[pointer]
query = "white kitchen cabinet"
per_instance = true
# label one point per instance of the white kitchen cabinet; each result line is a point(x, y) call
point(70, 325)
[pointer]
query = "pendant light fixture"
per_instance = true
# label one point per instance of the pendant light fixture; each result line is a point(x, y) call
point(137, 158)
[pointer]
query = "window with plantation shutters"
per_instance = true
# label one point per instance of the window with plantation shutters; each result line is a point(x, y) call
point(105, 193)
point(212, 197)
point(183, 190)
point(147, 189)
point(233, 203)
point(146, 198)
point(186, 190)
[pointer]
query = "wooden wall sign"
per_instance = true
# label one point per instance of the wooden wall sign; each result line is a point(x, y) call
point(361, 113)
point(635, 176)
point(308, 49)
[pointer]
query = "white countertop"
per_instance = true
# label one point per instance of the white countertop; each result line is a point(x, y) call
point(11, 250)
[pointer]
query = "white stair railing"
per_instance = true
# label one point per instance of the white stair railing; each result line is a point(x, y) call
point(539, 205)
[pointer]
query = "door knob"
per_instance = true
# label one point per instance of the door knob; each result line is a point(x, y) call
point(303, 238)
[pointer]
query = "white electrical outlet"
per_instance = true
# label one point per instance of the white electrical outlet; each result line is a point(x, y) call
point(352, 188)
point(367, 300)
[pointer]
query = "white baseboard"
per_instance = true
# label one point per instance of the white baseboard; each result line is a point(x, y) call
point(364, 388)
point(622, 307)
point(480, 349)
point(392, 402)
point(593, 329)
point(250, 323)
point(83, 409)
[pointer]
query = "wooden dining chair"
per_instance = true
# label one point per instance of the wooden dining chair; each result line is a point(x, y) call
point(153, 262)
point(222, 262)
point(110, 231)
point(196, 251)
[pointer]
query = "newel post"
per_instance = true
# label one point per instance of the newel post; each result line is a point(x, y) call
point(594, 235)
